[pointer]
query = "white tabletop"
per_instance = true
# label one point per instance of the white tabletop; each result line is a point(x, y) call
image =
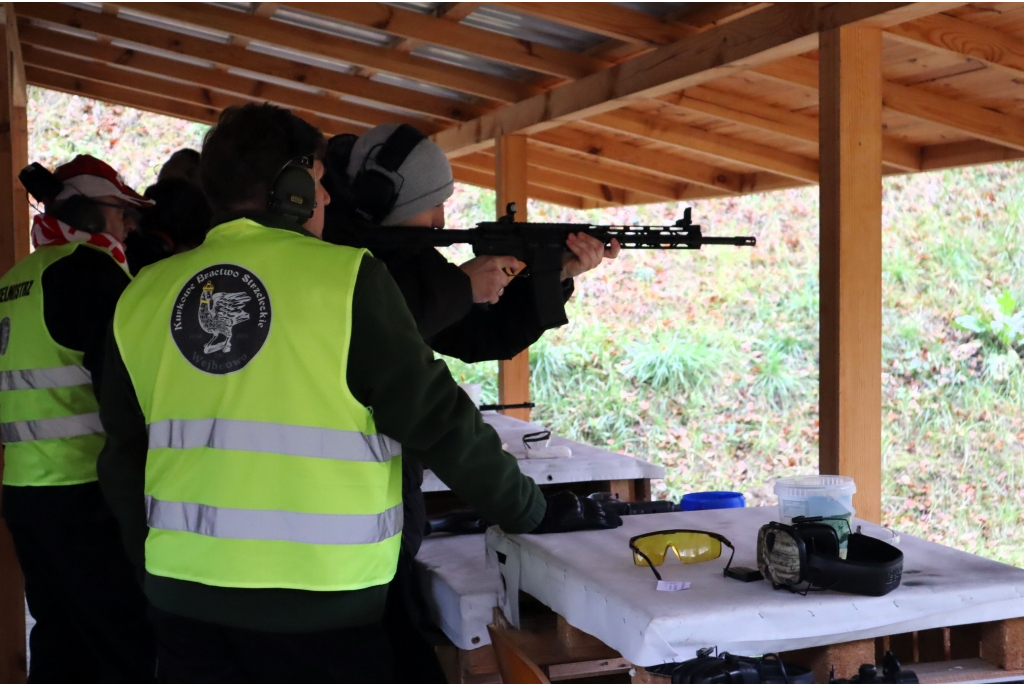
point(587, 463)
point(460, 588)
point(589, 578)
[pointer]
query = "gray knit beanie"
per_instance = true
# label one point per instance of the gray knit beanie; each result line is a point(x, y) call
point(424, 180)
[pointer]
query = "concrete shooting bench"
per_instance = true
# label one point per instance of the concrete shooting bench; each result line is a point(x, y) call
point(462, 589)
point(578, 606)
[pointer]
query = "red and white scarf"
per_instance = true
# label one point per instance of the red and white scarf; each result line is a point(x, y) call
point(46, 230)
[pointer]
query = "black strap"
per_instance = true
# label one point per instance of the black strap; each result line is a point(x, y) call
point(872, 567)
point(398, 147)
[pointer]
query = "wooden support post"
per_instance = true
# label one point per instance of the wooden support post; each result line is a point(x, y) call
point(850, 140)
point(13, 247)
point(510, 183)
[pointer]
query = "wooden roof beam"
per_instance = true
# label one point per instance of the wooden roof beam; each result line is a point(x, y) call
point(944, 33)
point(108, 26)
point(708, 143)
point(119, 95)
point(779, 31)
point(195, 95)
point(428, 29)
point(566, 182)
point(966, 153)
point(742, 110)
point(652, 162)
point(598, 170)
point(980, 122)
point(35, 38)
point(318, 43)
point(484, 179)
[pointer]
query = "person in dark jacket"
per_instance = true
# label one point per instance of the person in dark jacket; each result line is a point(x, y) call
point(254, 486)
point(178, 222)
point(394, 176)
point(55, 307)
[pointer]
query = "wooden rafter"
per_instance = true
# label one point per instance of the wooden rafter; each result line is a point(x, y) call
point(267, 30)
point(597, 169)
point(764, 117)
point(980, 122)
point(668, 165)
point(428, 29)
point(485, 179)
point(238, 57)
point(96, 71)
point(73, 49)
point(949, 34)
point(566, 182)
point(708, 143)
point(119, 95)
point(773, 33)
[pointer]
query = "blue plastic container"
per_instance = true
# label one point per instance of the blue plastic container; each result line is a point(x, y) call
point(700, 501)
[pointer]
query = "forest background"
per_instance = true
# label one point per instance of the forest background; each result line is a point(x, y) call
point(706, 362)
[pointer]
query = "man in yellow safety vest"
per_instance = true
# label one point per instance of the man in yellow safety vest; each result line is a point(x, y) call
point(262, 392)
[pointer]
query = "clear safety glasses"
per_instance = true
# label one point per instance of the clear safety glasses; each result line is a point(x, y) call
point(689, 546)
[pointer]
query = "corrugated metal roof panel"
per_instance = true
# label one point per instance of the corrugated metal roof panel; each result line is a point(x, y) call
point(525, 27)
point(427, 88)
point(657, 9)
point(303, 57)
point(331, 27)
point(177, 27)
point(458, 58)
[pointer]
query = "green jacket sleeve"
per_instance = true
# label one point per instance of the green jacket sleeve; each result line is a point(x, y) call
point(122, 462)
point(416, 401)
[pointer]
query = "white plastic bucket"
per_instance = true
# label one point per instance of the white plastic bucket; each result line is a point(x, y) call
point(829, 496)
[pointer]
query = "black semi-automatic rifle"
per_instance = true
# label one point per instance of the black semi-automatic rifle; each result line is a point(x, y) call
point(541, 246)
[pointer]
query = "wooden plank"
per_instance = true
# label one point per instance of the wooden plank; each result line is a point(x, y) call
point(850, 392)
point(714, 144)
point(425, 28)
point(764, 117)
point(624, 490)
point(844, 657)
point(510, 172)
point(979, 122)
point(943, 32)
point(482, 179)
point(314, 42)
point(779, 31)
point(966, 153)
point(250, 88)
point(195, 95)
point(119, 95)
point(963, 671)
point(655, 162)
point(238, 57)
point(13, 247)
point(594, 170)
point(1002, 643)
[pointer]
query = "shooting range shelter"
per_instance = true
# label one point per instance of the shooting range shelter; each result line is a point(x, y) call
point(583, 105)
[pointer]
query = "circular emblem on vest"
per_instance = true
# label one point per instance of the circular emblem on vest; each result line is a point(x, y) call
point(221, 318)
point(5, 334)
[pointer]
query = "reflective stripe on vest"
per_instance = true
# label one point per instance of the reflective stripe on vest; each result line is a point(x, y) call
point(272, 438)
point(49, 429)
point(284, 526)
point(44, 379)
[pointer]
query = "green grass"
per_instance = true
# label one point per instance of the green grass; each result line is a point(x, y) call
point(706, 362)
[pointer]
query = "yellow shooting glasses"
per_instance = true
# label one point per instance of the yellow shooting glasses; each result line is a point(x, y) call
point(690, 547)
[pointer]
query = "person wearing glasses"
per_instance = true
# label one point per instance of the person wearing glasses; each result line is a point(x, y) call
point(55, 307)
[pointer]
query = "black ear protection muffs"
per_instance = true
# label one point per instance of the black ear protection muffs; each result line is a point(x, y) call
point(376, 187)
point(78, 211)
point(808, 552)
point(293, 192)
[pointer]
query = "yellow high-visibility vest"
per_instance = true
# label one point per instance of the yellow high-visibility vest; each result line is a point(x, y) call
point(263, 470)
point(49, 419)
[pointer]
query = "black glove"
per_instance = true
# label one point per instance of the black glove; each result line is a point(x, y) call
point(566, 512)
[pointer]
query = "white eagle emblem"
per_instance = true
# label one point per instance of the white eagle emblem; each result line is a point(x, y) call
point(218, 314)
